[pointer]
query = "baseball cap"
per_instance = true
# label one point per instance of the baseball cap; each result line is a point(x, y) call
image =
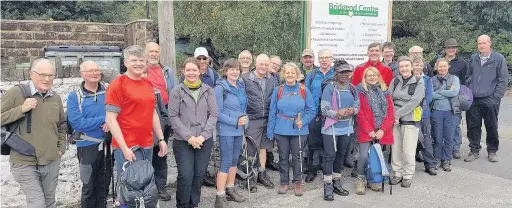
point(308, 52)
point(201, 51)
point(344, 67)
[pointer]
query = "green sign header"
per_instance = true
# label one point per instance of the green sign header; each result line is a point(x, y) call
point(355, 10)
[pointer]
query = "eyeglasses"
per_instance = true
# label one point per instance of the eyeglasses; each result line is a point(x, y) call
point(202, 58)
point(44, 76)
point(324, 58)
point(92, 72)
point(372, 76)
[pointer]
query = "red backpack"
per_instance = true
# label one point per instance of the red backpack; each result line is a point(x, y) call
point(302, 91)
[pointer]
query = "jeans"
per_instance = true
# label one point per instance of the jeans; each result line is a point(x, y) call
point(426, 145)
point(363, 157)
point(191, 164)
point(94, 176)
point(141, 153)
point(443, 126)
point(230, 148)
point(333, 160)
point(458, 136)
point(487, 109)
point(286, 145)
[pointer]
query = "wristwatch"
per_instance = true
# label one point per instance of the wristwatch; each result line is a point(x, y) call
point(160, 140)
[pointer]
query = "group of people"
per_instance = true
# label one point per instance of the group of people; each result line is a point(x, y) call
point(329, 114)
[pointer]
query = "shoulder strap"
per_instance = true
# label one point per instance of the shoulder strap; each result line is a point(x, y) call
point(80, 98)
point(210, 73)
point(313, 74)
point(280, 92)
point(395, 84)
point(25, 91)
point(302, 90)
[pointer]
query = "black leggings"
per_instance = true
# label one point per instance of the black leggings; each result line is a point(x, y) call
point(333, 160)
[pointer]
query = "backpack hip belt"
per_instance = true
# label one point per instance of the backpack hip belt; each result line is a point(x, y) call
point(285, 117)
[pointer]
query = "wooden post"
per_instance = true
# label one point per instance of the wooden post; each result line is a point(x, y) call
point(166, 35)
point(390, 20)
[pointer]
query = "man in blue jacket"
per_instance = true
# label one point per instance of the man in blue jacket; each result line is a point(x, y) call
point(86, 114)
point(314, 81)
point(208, 75)
point(488, 79)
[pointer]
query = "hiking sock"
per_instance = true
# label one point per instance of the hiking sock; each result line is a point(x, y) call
point(328, 178)
point(230, 185)
point(336, 176)
point(261, 170)
point(221, 193)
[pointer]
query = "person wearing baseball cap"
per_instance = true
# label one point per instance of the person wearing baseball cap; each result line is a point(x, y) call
point(208, 75)
point(307, 60)
point(458, 67)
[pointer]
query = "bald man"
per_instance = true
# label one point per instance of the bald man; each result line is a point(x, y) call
point(86, 117)
point(39, 112)
point(259, 85)
point(487, 77)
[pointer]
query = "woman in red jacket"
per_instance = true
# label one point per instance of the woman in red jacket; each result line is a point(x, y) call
point(374, 120)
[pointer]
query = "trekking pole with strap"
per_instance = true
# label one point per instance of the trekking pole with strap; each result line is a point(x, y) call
point(300, 152)
point(246, 158)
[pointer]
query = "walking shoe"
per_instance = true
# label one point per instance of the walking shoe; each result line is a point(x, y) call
point(395, 180)
point(492, 157)
point(271, 164)
point(456, 155)
point(297, 188)
point(232, 195)
point(431, 171)
point(282, 189)
point(209, 180)
point(264, 180)
point(375, 187)
point(360, 185)
point(221, 202)
point(338, 189)
point(446, 166)
point(471, 156)
point(406, 183)
point(328, 189)
point(313, 172)
point(163, 195)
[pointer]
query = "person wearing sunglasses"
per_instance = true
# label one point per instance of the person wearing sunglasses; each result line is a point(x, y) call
point(208, 75)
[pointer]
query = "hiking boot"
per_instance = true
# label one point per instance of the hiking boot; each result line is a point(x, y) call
point(395, 180)
point(456, 155)
point(221, 201)
point(163, 195)
point(282, 189)
point(446, 166)
point(360, 185)
point(375, 187)
point(471, 156)
point(493, 157)
point(313, 172)
point(271, 164)
point(406, 183)
point(338, 189)
point(209, 180)
point(264, 180)
point(297, 188)
point(431, 171)
point(232, 195)
point(328, 189)
point(348, 164)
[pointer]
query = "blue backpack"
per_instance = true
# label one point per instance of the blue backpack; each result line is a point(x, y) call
point(377, 170)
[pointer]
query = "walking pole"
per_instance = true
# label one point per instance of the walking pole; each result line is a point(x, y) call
point(334, 139)
point(300, 152)
point(246, 157)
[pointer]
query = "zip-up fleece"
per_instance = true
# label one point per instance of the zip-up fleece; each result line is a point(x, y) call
point(458, 67)
point(283, 112)
point(258, 102)
point(92, 117)
point(403, 102)
point(345, 98)
point(48, 132)
point(489, 79)
point(230, 107)
point(189, 118)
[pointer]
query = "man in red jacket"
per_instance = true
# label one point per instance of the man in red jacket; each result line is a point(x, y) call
point(374, 53)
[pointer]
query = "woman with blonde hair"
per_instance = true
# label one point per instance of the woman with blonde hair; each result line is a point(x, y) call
point(374, 121)
point(291, 110)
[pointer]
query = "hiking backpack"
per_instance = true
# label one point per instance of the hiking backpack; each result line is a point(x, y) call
point(377, 169)
point(302, 91)
point(324, 84)
point(252, 152)
point(136, 185)
point(418, 111)
point(465, 98)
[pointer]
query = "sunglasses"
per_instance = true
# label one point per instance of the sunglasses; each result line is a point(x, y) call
point(202, 58)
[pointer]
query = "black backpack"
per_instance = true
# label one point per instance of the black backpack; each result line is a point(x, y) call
point(136, 186)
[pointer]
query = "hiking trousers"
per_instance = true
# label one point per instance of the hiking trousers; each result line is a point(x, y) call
point(94, 177)
point(38, 183)
point(333, 160)
point(487, 109)
point(315, 143)
point(443, 126)
point(160, 164)
point(191, 164)
point(458, 136)
point(403, 151)
point(289, 145)
point(426, 145)
point(363, 157)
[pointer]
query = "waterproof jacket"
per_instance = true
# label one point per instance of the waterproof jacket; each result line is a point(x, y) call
point(458, 67)
point(231, 103)
point(92, 117)
point(446, 99)
point(314, 81)
point(365, 119)
point(284, 111)
point(335, 98)
point(489, 79)
point(428, 96)
point(385, 72)
point(403, 102)
point(189, 118)
point(170, 78)
point(48, 129)
point(258, 101)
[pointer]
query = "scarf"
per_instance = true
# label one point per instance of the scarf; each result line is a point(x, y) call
point(192, 86)
point(378, 104)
